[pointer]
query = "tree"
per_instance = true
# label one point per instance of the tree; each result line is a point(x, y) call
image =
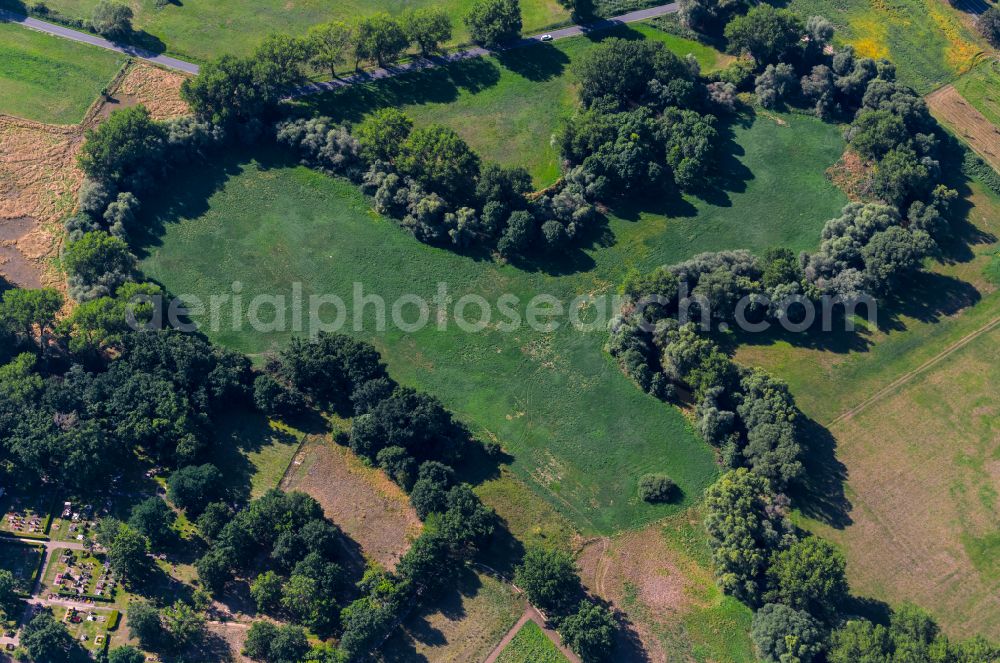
point(494, 22)
point(623, 68)
point(258, 641)
point(124, 150)
point(214, 518)
point(126, 654)
point(24, 311)
point(656, 488)
point(428, 27)
point(430, 492)
point(8, 593)
point(381, 38)
point(745, 523)
point(126, 548)
point(774, 85)
point(182, 625)
point(466, 520)
point(144, 624)
point(382, 133)
point(782, 634)
point(517, 238)
point(266, 591)
point(97, 264)
point(47, 640)
point(329, 44)
point(874, 132)
point(191, 488)
point(215, 569)
point(989, 25)
point(289, 645)
point(549, 578)
point(809, 576)
point(399, 465)
point(441, 161)
point(153, 519)
point(766, 33)
point(895, 253)
point(112, 19)
point(590, 632)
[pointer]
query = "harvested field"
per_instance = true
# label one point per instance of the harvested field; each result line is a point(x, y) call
point(362, 501)
point(661, 579)
point(38, 183)
point(949, 107)
point(924, 485)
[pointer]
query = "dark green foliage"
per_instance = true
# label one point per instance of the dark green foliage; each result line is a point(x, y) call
point(23, 312)
point(277, 399)
point(809, 576)
point(519, 235)
point(144, 624)
point(590, 631)
point(550, 581)
point(380, 38)
point(746, 523)
point(875, 132)
point(428, 28)
point(466, 522)
point(894, 254)
point(780, 267)
point(266, 591)
point(689, 141)
point(621, 69)
point(329, 368)
point(768, 413)
point(766, 33)
point(47, 640)
point(494, 22)
point(112, 19)
point(97, 265)
point(126, 654)
point(430, 492)
point(440, 161)
point(989, 25)
point(382, 133)
point(399, 465)
point(125, 150)
point(191, 488)
point(412, 420)
point(784, 634)
point(126, 549)
point(153, 519)
point(656, 488)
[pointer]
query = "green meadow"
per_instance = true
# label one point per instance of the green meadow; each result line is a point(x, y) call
point(580, 433)
point(981, 88)
point(49, 79)
point(203, 29)
point(926, 39)
point(507, 107)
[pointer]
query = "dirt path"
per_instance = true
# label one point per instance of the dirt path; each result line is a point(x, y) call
point(907, 377)
point(531, 614)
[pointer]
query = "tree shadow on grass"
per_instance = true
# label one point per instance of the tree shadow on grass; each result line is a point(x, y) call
point(440, 85)
point(820, 494)
point(928, 297)
point(536, 63)
point(418, 629)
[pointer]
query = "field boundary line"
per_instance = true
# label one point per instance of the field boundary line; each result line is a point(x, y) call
point(908, 376)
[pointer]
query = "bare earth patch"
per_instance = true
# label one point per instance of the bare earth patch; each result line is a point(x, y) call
point(362, 501)
point(948, 106)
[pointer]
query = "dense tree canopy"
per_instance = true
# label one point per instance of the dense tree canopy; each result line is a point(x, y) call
point(494, 22)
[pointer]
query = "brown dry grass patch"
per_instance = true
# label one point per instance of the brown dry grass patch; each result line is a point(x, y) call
point(157, 89)
point(362, 501)
point(38, 183)
point(950, 107)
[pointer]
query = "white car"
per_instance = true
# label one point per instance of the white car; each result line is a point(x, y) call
point(546, 37)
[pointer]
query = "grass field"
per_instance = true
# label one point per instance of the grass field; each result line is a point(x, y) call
point(202, 30)
point(48, 79)
point(660, 577)
point(465, 626)
point(254, 452)
point(981, 88)
point(919, 452)
point(507, 107)
point(531, 645)
point(926, 39)
point(268, 225)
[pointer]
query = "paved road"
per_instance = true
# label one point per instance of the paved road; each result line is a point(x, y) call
point(93, 40)
point(416, 65)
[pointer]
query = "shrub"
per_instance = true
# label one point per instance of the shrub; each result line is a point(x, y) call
point(656, 488)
